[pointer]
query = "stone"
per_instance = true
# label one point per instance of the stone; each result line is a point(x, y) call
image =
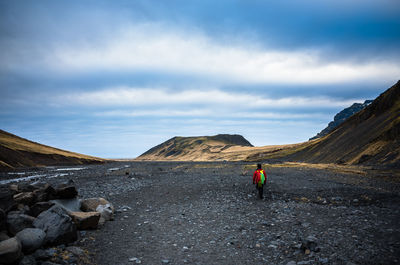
point(58, 225)
point(40, 207)
point(77, 251)
point(7, 202)
point(106, 212)
point(17, 222)
point(14, 188)
point(2, 219)
point(10, 250)
point(71, 205)
point(85, 220)
point(24, 198)
point(90, 205)
point(43, 254)
point(28, 260)
point(3, 236)
point(66, 190)
point(291, 263)
point(310, 243)
point(31, 239)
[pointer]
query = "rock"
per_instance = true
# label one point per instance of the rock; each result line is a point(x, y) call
point(28, 260)
point(85, 220)
point(43, 254)
point(10, 250)
point(91, 204)
point(71, 205)
point(77, 251)
point(58, 226)
point(3, 236)
point(291, 263)
point(24, 198)
point(66, 190)
point(106, 212)
point(13, 188)
point(310, 243)
point(17, 222)
point(31, 239)
point(7, 202)
point(40, 207)
point(2, 220)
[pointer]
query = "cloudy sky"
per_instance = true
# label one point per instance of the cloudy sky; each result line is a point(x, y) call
point(114, 78)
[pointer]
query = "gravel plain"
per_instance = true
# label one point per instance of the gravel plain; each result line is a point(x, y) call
point(208, 213)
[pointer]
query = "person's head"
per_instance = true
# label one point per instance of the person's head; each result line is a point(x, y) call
point(258, 166)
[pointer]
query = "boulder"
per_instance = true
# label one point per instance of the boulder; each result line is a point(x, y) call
point(14, 188)
point(90, 205)
point(10, 251)
point(85, 220)
point(7, 202)
point(71, 205)
point(44, 254)
point(2, 220)
point(24, 198)
point(17, 221)
point(3, 236)
point(106, 211)
point(58, 225)
point(40, 207)
point(66, 190)
point(31, 239)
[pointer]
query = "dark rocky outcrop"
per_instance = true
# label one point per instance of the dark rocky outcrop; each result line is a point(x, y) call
point(31, 239)
point(17, 222)
point(341, 117)
point(58, 226)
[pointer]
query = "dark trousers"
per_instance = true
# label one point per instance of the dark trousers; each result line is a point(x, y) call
point(260, 191)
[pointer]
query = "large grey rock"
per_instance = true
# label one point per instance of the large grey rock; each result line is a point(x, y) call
point(58, 226)
point(31, 239)
point(71, 205)
point(10, 251)
point(17, 221)
point(40, 207)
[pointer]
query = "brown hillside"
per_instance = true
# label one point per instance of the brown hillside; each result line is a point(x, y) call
point(370, 137)
point(19, 152)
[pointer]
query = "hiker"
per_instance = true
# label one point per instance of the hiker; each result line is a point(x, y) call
point(259, 178)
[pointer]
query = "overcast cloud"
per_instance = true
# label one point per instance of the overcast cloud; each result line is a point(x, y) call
point(114, 78)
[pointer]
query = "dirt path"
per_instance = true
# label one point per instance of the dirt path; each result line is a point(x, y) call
point(177, 213)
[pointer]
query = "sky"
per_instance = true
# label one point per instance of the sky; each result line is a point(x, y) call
point(115, 78)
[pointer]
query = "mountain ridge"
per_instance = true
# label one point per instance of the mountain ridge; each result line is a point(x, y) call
point(17, 152)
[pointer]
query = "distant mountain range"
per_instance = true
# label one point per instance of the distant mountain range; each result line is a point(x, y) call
point(341, 117)
point(370, 136)
point(19, 152)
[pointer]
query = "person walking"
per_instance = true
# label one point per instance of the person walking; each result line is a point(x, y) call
point(259, 178)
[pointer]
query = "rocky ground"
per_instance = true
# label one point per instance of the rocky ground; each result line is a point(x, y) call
point(208, 213)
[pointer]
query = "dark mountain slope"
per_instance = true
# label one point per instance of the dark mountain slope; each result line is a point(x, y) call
point(371, 136)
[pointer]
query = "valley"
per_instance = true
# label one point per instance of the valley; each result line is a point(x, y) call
point(208, 213)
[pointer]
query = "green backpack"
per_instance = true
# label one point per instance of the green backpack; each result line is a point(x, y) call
point(262, 179)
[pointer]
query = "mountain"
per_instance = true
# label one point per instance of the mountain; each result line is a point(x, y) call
point(341, 117)
point(19, 152)
point(369, 137)
point(202, 148)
